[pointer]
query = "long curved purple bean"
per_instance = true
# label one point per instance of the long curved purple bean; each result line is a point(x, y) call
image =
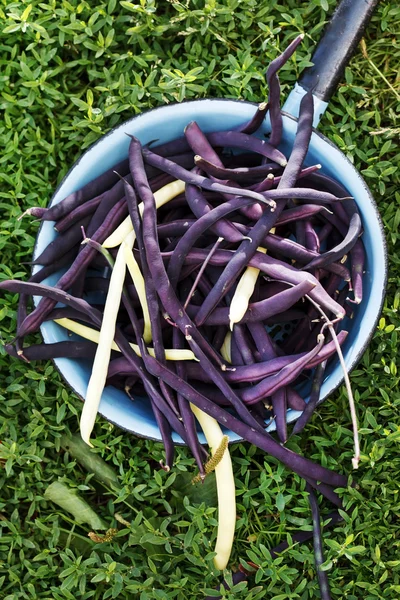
point(262, 310)
point(258, 371)
point(263, 440)
point(77, 214)
point(318, 551)
point(33, 321)
point(333, 186)
point(92, 189)
point(243, 141)
point(341, 249)
point(309, 195)
point(171, 304)
point(274, 90)
point(62, 244)
point(189, 177)
point(271, 384)
point(301, 142)
point(227, 139)
point(240, 174)
point(56, 350)
point(293, 250)
point(303, 211)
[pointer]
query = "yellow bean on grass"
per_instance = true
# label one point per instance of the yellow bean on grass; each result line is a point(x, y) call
point(225, 489)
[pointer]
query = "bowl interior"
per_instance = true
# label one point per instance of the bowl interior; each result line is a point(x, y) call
point(167, 123)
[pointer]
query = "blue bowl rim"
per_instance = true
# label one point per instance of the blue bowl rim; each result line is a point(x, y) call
point(374, 205)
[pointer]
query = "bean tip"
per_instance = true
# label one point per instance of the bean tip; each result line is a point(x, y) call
point(120, 176)
point(262, 106)
point(22, 215)
point(355, 461)
point(189, 126)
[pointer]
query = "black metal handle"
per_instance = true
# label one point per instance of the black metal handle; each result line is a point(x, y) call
point(337, 45)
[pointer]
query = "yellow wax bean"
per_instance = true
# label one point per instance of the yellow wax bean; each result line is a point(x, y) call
point(244, 292)
point(140, 287)
point(225, 488)
point(101, 361)
point(162, 196)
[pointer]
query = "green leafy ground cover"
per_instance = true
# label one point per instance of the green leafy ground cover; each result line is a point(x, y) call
point(70, 71)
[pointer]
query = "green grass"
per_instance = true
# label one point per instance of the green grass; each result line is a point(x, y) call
point(68, 73)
